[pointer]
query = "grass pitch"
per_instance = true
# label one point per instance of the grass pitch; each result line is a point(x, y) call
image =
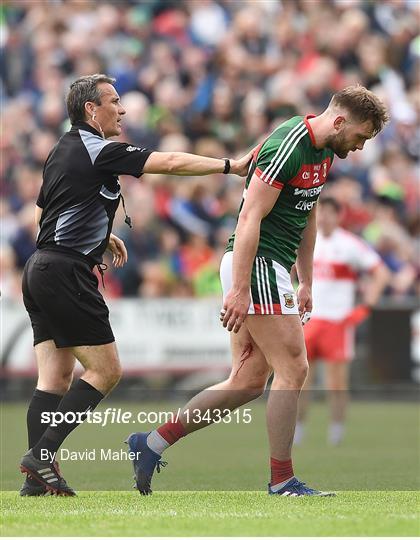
point(212, 514)
point(375, 472)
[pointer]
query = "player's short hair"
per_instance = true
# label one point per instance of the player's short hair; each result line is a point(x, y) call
point(363, 105)
point(331, 202)
point(82, 90)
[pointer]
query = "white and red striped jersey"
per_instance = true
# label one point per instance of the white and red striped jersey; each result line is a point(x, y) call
point(338, 259)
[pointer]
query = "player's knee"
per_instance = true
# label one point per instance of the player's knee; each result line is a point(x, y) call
point(294, 377)
point(256, 390)
point(298, 364)
point(253, 386)
point(296, 351)
point(301, 372)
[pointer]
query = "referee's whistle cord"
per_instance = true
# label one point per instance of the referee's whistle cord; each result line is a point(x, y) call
point(101, 269)
point(127, 217)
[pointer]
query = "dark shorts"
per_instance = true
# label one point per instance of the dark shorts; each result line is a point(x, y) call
point(61, 295)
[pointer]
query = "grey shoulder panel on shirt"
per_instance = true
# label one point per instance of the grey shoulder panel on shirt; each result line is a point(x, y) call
point(93, 144)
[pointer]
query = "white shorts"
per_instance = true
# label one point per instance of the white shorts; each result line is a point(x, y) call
point(271, 289)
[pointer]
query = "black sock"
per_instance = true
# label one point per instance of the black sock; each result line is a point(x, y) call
point(41, 402)
point(81, 397)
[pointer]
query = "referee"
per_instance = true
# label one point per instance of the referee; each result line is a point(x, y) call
point(75, 209)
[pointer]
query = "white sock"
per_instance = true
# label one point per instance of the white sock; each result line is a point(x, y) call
point(299, 433)
point(335, 433)
point(277, 487)
point(156, 442)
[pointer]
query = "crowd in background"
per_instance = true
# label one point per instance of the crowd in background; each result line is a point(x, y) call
point(213, 78)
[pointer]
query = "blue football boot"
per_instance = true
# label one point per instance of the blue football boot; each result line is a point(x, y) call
point(296, 488)
point(145, 462)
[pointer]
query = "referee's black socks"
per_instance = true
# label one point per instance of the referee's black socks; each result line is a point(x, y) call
point(41, 402)
point(79, 399)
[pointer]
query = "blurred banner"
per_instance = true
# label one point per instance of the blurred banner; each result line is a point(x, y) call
point(182, 335)
point(394, 343)
point(173, 334)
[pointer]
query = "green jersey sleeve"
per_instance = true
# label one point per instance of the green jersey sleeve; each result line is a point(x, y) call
point(279, 157)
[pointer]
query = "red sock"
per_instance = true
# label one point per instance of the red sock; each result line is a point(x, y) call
point(172, 431)
point(280, 471)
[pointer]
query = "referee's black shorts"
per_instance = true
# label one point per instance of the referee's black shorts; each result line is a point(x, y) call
point(61, 295)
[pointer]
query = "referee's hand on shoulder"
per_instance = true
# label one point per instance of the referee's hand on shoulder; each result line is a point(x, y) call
point(241, 166)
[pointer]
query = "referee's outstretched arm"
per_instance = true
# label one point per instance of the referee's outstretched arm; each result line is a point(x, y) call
point(183, 164)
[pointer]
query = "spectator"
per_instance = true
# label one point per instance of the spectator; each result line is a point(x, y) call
point(211, 77)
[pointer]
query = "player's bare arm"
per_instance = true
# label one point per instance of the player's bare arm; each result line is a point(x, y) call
point(380, 277)
point(304, 264)
point(183, 164)
point(260, 199)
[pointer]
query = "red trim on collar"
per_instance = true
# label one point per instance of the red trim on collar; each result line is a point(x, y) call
point(308, 125)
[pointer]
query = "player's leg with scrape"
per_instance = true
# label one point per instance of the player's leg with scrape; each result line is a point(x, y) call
point(247, 381)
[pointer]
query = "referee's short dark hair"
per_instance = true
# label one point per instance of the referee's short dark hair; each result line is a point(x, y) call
point(82, 90)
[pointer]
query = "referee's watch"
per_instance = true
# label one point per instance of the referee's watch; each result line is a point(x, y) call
point(227, 166)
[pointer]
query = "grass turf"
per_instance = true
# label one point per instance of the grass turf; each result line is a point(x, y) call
point(376, 471)
point(211, 514)
point(380, 452)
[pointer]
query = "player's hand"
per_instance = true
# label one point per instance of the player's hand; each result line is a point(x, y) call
point(235, 309)
point(357, 315)
point(305, 318)
point(119, 252)
point(241, 166)
point(304, 297)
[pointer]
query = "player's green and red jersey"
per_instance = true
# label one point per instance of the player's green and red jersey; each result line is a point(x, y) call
point(288, 161)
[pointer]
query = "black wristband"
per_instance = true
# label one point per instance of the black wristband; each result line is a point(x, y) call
point(227, 166)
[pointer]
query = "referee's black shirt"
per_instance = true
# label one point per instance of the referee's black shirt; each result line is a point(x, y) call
point(80, 192)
